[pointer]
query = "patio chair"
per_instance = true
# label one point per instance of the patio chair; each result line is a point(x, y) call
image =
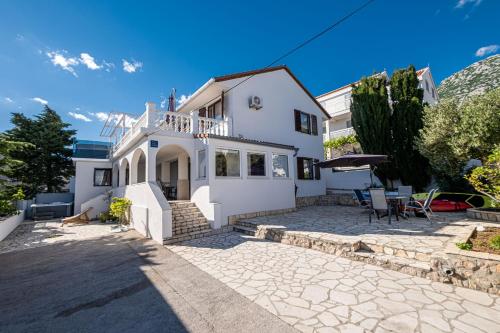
point(405, 191)
point(361, 199)
point(378, 204)
point(425, 208)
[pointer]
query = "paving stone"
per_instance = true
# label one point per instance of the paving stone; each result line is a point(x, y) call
point(378, 300)
point(315, 294)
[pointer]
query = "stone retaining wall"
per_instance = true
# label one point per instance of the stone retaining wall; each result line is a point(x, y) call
point(342, 199)
point(483, 215)
point(232, 219)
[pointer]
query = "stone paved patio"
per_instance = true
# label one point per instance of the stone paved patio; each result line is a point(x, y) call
point(319, 292)
point(30, 234)
point(349, 225)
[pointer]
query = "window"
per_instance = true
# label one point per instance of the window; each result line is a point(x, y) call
point(433, 93)
point(256, 164)
point(348, 124)
point(306, 168)
point(306, 123)
point(227, 163)
point(202, 164)
point(102, 177)
point(280, 165)
point(427, 85)
point(323, 127)
point(213, 111)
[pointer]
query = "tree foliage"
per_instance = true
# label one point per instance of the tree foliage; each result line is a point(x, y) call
point(371, 119)
point(46, 162)
point(406, 122)
point(342, 145)
point(454, 133)
point(486, 178)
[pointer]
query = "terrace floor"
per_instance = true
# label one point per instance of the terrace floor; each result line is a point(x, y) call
point(410, 238)
point(319, 292)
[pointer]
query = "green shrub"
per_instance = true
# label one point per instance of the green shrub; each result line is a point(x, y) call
point(495, 242)
point(7, 208)
point(19, 195)
point(119, 208)
point(464, 246)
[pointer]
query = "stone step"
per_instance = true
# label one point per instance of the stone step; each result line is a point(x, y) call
point(404, 265)
point(183, 217)
point(182, 231)
point(244, 229)
point(423, 255)
point(198, 220)
point(197, 234)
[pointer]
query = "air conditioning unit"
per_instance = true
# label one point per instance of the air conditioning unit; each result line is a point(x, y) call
point(255, 102)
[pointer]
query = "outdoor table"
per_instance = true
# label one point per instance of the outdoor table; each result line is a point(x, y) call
point(394, 201)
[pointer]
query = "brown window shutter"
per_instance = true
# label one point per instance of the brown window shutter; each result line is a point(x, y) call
point(202, 112)
point(317, 171)
point(300, 168)
point(314, 125)
point(297, 120)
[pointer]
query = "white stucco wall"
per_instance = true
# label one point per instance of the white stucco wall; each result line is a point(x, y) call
point(275, 121)
point(9, 224)
point(247, 194)
point(151, 215)
point(84, 180)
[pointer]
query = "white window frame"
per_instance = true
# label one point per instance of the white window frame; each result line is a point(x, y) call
point(198, 163)
point(215, 163)
point(287, 165)
point(248, 152)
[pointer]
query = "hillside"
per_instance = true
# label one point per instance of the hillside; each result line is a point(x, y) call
point(473, 80)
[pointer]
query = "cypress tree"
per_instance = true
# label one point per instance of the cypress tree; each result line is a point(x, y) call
point(371, 119)
point(406, 122)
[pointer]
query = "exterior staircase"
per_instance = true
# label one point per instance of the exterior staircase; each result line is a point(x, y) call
point(188, 223)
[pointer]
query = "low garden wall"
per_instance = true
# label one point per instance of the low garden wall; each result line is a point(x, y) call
point(342, 199)
point(487, 215)
point(9, 224)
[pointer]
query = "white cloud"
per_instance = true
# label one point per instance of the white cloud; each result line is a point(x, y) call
point(80, 116)
point(58, 58)
point(463, 3)
point(8, 100)
point(183, 98)
point(131, 67)
point(108, 66)
point(40, 100)
point(485, 50)
point(102, 116)
point(89, 61)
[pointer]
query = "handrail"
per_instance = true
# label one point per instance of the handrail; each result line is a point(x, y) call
point(175, 122)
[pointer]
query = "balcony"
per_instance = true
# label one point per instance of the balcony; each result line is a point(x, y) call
point(171, 123)
point(341, 132)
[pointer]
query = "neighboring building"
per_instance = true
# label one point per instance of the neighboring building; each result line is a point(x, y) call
point(338, 103)
point(229, 151)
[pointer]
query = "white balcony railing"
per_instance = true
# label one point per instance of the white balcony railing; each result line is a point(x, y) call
point(342, 132)
point(174, 122)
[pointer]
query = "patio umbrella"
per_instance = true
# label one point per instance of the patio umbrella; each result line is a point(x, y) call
point(354, 160)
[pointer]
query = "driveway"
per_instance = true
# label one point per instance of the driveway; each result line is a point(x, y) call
point(119, 283)
point(318, 292)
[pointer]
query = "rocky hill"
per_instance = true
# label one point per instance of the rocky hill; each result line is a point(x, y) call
point(475, 79)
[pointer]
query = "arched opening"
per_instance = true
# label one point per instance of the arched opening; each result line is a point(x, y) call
point(138, 170)
point(173, 172)
point(116, 175)
point(124, 175)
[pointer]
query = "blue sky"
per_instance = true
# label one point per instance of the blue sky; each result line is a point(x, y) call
point(89, 57)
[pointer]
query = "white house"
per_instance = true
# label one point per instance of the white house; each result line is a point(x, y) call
point(337, 103)
point(242, 143)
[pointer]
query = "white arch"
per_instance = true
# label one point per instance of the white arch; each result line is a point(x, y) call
point(138, 167)
point(116, 175)
point(124, 178)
